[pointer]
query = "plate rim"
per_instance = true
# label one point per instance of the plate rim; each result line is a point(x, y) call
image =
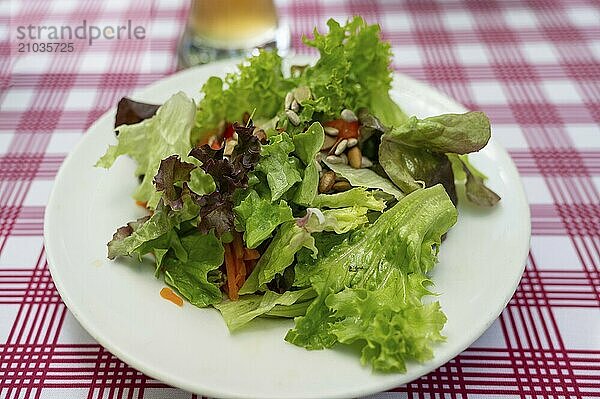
point(430, 92)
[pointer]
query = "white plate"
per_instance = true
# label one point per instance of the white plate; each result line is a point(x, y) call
point(118, 303)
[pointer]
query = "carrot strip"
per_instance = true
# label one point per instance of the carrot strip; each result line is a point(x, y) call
point(251, 254)
point(232, 291)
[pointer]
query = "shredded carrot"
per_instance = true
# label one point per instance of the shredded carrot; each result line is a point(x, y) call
point(251, 254)
point(143, 204)
point(235, 266)
point(169, 295)
point(250, 265)
point(230, 267)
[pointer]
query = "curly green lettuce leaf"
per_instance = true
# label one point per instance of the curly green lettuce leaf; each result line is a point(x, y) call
point(403, 241)
point(390, 325)
point(258, 85)
point(305, 260)
point(281, 169)
point(340, 220)
point(356, 196)
point(453, 133)
point(239, 313)
point(190, 278)
point(260, 217)
point(353, 71)
point(148, 142)
point(290, 238)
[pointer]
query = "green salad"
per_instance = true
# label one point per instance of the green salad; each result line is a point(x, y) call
point(304, 193)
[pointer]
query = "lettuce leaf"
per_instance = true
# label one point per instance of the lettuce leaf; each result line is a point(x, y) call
point(353, 71)
point(130, 112)
point(356, 196)
point(190, 277)
point(412, 168)
point(365, 178)
point(128, 239)
point(148, 142)
point(340, 220)
point(476, 190)
point(258, 85)
point(238, 313)
point(454, 133)
point(307, 145)
point(414, 154)
point(391, 325)
point(290, 238)
point(229, 175)
point(260, 217)
point(375, 272)
point(281, 169)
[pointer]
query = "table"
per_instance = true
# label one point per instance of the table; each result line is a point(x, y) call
point(533, 66)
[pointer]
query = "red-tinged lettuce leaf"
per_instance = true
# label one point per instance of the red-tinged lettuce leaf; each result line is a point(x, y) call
point(130, 112)
point(172, 170)
point(477, 192)
point(128, 239)
point(411, 168)
point(229, 174)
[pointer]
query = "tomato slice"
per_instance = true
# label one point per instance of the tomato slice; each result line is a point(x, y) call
point(347, 129)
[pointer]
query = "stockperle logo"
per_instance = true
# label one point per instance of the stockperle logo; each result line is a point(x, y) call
point(83, 31)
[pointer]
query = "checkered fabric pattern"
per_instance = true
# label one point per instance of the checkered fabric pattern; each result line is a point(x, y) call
point(533, 66)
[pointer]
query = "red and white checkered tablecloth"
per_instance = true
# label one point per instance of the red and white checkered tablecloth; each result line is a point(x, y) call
point(532, 65)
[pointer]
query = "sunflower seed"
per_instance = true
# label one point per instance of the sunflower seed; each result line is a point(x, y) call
point(288, 100)
point(348, 115)
point(319, 167)
point(293, 117)
point(327, 181)
point(341, 147)
point(331, 131)
point(352, 142)
point(344, 158)
point(334, 159)
point(295, 106)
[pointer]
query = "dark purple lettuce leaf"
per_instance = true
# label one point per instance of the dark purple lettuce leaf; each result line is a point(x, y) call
point(172, 170)
point(229, 174)
point(130, 112)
